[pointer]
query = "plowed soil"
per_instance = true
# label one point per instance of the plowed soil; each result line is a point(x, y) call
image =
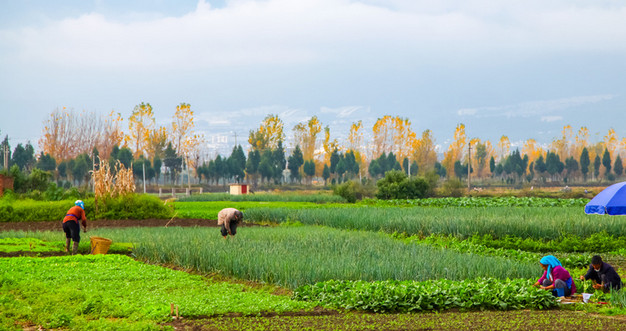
point(57, 225)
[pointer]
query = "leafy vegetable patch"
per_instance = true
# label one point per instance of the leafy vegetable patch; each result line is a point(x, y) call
point(408, 296)
point(117, 292)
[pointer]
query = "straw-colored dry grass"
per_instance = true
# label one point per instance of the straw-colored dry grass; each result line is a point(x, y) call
point(110, 183)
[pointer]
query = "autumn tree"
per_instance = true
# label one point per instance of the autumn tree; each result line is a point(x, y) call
point(563, 145)
point(355, 136)
point(532, 149)
point(503, 148)
point(481, 155)
point(393, 134)
point(356, 145)
point(329, 145)
point(183, 137)
point(58, 138)
point(581, 141)
point(140, 124)
point(305, 135)
point(268, 135)
point(455, 150)
point(157, 142)
point(611, 141)
point(383, 136)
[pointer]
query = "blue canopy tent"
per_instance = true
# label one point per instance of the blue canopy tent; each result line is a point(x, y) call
point(611, 201)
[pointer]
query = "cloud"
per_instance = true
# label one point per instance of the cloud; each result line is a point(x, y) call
point(467, 111)
point(344, 112)
point(534, 108)
point(551, 118)
point(286, 32)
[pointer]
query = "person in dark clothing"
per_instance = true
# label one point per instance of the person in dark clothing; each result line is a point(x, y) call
point(603, 274)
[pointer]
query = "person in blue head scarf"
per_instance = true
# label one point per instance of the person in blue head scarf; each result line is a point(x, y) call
point(551, 261)
point(555, 277)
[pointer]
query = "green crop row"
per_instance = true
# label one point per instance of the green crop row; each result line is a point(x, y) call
point(9, 245)
point(209, 209)
point(471, 245)
point(294, 256)
point(283, 197)
point(32, 246)
point(599, 242)
point(410, 296)
point(127, 207)
point(498, 222)
point(479, 202)
point(116, 292)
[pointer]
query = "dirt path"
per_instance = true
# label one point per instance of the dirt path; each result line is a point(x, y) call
point(56, 225)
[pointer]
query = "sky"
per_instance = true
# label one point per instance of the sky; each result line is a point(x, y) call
point(524, 69)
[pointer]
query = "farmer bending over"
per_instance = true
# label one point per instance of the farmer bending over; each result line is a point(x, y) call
point(603, 274)
point(71, 227)
point(555, 277)
point(229, 218)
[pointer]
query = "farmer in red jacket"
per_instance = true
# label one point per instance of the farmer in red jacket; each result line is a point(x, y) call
point(71, 226)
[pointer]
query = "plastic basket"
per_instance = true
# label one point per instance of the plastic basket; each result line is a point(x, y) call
point(100, 245)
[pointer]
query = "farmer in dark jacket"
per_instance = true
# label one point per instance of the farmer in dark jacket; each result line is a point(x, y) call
point(71, 225)
point(604, 275)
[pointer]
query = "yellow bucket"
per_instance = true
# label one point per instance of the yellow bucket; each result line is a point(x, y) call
point(100, 245)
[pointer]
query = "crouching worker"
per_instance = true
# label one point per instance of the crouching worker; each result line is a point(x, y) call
point(229, 218)
point(555, 277)
point(603, 274)
point(71, 226)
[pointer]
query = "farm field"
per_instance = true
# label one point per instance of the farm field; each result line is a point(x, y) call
point(359, 264)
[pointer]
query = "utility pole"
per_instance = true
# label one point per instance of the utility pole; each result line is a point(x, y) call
point(143, 164)
point(6, 156)
point(469, 165)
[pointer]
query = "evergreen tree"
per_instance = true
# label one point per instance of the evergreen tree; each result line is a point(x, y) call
point(606, 161)
point(326, 173)
point(156, 166)
point(24, 157)
point(352, 167)
point(266, 168)
point(596, 166)
point(125, 156)
point(279, 163)
point(584, 163)
point(571, 165)
point(295, 162)
point(309, 169)
point(237, 163)
point(334, 159)
point(618, 167)
point(172, 161)
point(492, 164)
point(252, 164)
point(374, 168)
point(81, 167)
point(540, 165)
point(46, 162)
point(440, 170)
point(554, 166)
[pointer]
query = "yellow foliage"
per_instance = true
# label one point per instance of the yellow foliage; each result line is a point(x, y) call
point(305, 135)
point(140, 123)
point(269, 133)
